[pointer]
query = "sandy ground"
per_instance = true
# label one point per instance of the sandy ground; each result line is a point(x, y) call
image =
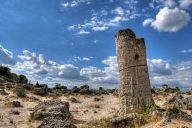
point(86, 110)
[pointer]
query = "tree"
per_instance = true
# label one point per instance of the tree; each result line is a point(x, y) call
point(23, 79)
point(177, 88)
point(59, 86)
point(4, 70)
point(37, 83)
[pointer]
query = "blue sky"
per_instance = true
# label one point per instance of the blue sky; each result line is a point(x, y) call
point(72, 41)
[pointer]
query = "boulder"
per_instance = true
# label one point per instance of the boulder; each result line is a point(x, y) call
point(55, 122)
point(177, 97)
point(187, 103)
point(92, 91)
point(84, 87)
point(166, 118)
point(129, 120)
point(53, 107)
point(179, 102)
point(100, 92)
point(175, 112)
point(75, 89)
point(84, 91)
point(41, 90)
point(20, 92)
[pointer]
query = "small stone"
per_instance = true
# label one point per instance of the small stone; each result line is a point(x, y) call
point(96, 99)
point(85, 111)
point(97, 106)
point(16, 104)
point(73, 100)
point(14, 112)
point(11, 121)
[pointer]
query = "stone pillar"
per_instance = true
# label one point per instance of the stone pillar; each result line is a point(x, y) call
point(134, 90)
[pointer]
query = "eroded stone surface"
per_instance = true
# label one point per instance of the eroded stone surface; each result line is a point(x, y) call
point(129, 120)
point(55, 122)
point(134, 91)
point(51, 108)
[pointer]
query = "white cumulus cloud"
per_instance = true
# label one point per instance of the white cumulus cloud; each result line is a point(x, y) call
point(83, 32)
point(118, 11)
point(186, 51)
point(169, 20)
point(158, 67)
point(6, 57)
point(185, 3)
point(38, 68)
point(147, 22)
point(74, 3)
point(33, 64)
point(107, 76)
point(87, 59)
point(107, 18)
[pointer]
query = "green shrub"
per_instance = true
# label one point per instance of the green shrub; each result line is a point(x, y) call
point(59, 86)
point(4, 70)
point(22, 79)
point(177, 88)
point(37, 84)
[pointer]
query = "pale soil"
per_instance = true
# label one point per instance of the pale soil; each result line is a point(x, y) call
point(86, 110)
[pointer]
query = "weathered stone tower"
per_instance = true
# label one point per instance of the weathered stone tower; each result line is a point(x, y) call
point(134, 91)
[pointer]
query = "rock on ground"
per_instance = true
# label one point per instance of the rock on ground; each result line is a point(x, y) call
point(51, 108)
point(128, 120)
point(187, 103)
point(20, 91)
point(16, 104)
point(3, 92)
point(41, 90)
point(55, 122)
point(6, 122)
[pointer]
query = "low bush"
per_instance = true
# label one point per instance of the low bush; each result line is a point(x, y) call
point(4, 70)
point(59, 86)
